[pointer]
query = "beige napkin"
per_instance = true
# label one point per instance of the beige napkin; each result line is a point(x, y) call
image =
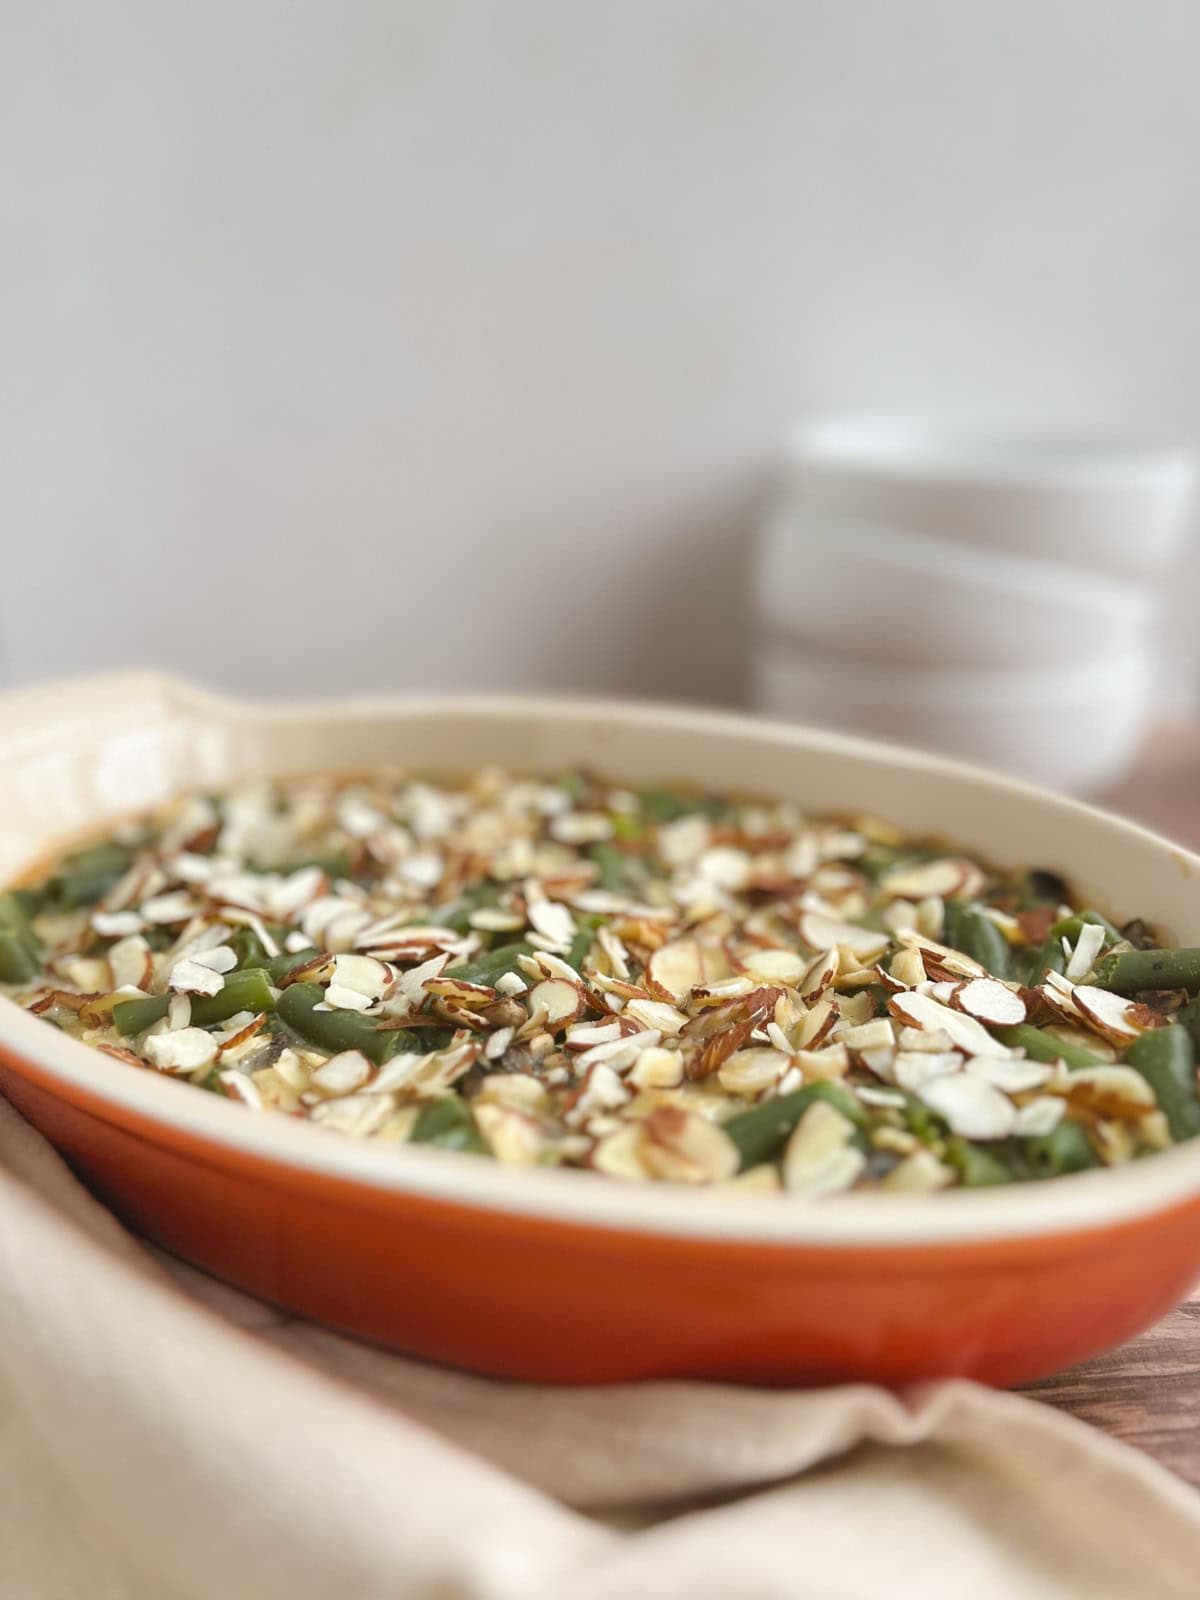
point(165, 1438)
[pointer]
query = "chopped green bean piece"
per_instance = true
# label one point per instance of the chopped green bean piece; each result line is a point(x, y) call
point(1071, 927)
point(1066, 1148)
point(449, 1124)
point(337, 1030)
point(20, 952)
point(279, 966)
point(1128, 971)
point(977, 1168)
point(492, 964)
point(612, 863)
point(1166, 1058)
point(761, 1132)
point(1043, 1046)
point(968, 930)
point(667, 805)
point(248, 990)
point(88, 875)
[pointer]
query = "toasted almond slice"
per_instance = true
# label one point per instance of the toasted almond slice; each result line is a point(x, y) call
point(656, 1014)
point(877, 1034)
point(189, 977)
point(923, 1011)
point(563, 1001)
point(342, 1074)
point(990, 1001)
point(815, 1025)
point(821, 932)
point(819, 1158)
point(185, 1050)
point(935, 1040)
point(514, 1137)
point(1111, 1091)
point(944, 878)
point(919, 1173)
point(777, 966)
point(908, 968)
point(973, 1108)
point(935, 955)
point(675, 969)
point(751, 1071)
point(131, 963)
point(1111, 1015)
point(879, 1097)
point(683, 1147)
point(657, 1068)
point(913, 1069)
point(586, 1034)
point(619, 1154)
point(363, 974)
point(1014, 1077)
point(1039, 1116)
point(1087, 947)
point(820, 973)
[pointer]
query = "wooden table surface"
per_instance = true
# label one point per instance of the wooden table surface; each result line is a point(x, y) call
point(1148, 1391)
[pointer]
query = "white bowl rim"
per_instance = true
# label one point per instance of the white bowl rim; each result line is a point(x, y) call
point(998, 575)
point(988, 456)
point(1090, 1202)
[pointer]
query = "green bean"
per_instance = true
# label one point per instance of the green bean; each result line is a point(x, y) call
point(279, 966)
point(449, 1124)
point(625, 826)
point(968, 930)
point(1043, 1046)
point(83, 878)
point(472, 899)
point(977, 1168)
point(135, 1016)
point(1039, 960)
point(1066, 1148)
point(1188, 1017)
point(1166, 1058)
point(492, 964)
point(666, 805)
point(585, 937)
point(339, 1030)
point(761, 1132)
point(1071, 927)
point(612, 863)
point(1128, 971)
point(20, 952)
point(248, 990)
point(923, 1120)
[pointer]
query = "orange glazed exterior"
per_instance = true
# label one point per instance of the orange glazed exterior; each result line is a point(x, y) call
point(545, 1301)
point(569, 1277)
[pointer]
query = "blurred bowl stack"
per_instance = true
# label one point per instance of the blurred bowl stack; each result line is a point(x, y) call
point(987, 596)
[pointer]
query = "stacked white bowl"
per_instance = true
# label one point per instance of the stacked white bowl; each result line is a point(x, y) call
point(980, 594)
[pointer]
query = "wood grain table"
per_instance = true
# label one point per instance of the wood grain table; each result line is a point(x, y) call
point(1148, 1391)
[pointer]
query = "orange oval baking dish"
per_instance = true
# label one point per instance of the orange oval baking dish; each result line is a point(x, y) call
point(568, 1276)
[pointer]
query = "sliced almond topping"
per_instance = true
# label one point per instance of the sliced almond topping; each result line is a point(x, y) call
point(937, 956)
point(923, 1011)
point(563, 1001)
point(1111, 1015)
point(667, 1019)
point(944, 878)
point(875, 1035)
point(820, 973)
point(913, 1069)
point(364, 974)
point(751, 1071)
point(973, 1108)
point(1109, 1091)
point(1014, 1077)
point(1039, 1116)
point(819, 1158)
point(513, 1136)
point(619, 1154)
point(685, 1148)
point(1087, 947)
point(657, 1068)
point(777, 966)
point(919, 1173)
point(676, 969)
point(185, 1050)
point(189, 977)
point(990, 1001)
point(821, 932)
point(342, 1074)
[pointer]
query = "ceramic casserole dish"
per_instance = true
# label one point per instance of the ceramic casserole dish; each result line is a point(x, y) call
point(567, 1276)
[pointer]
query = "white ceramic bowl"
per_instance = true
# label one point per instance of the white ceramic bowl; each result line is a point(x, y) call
point(882, 594)
point(1074, 728)
point(1102, 505)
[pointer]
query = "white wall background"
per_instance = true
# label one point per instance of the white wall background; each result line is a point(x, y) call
point(417, 342)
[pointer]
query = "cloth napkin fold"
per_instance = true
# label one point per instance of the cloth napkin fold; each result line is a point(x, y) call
point(164, 1437)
